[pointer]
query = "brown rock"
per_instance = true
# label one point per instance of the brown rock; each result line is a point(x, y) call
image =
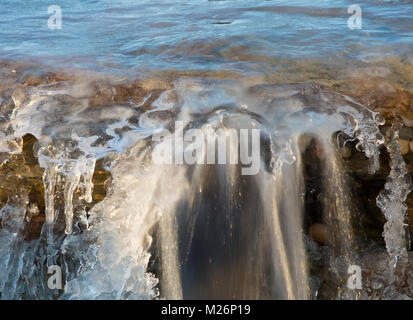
point(404, 146)
point(319, 233)
point(379, 95)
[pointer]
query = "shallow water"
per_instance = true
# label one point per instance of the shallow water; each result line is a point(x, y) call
point(246, 36)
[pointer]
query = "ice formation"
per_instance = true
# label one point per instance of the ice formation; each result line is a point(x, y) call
point(108, 258)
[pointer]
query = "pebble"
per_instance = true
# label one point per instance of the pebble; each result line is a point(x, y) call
point(319, 233)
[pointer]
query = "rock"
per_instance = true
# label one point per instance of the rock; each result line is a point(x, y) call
point(367, 72)
point(406, 133)
point(36, 79)
point(404, 146)
point(380, 95)
point(319, 233)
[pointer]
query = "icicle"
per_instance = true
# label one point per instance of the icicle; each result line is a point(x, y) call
point(49, 181)
point(87, 176)
point(391, 199)
point(71, 183)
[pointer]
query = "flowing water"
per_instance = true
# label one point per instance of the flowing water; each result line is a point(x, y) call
point(295, 95)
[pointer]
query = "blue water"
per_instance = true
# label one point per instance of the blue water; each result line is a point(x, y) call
point(242, 35)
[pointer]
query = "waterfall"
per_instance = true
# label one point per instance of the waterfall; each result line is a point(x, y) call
point(205, 229)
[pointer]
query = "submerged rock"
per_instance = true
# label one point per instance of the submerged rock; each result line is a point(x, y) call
point(319, 233)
